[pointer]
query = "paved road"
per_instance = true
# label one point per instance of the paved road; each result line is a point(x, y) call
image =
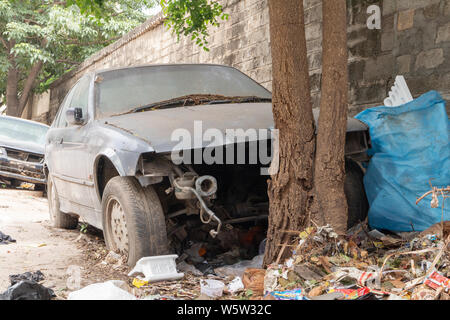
point(24, 216)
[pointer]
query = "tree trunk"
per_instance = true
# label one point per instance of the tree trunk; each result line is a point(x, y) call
point(289, 189)
point(12, 92)
point(16, 104)
point(29, 85)
point(329, 172)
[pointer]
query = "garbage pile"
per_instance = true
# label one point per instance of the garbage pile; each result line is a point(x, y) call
point(36, 276)
point(202, 255)
point(6, 239)
point(364, 265)
point(26, 286)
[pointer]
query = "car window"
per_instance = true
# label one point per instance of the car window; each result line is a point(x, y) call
point(61, 118)
point(76, 98)
point(81, 96)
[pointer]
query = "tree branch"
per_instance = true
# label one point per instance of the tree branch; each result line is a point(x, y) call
point(32, 22)
point(55, 3)
point(5, 44)
point(29, 85)
point(30, 81)
point(11, 59)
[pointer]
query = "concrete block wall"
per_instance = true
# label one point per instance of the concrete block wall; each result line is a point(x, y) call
point(414, 40)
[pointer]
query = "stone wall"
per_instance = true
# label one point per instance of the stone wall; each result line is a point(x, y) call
point(414, 41)
point(38, 108)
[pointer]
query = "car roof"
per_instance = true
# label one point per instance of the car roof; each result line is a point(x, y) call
point(24, 120)
point(160, 65)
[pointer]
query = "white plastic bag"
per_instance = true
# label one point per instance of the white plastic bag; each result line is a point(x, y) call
point(109, 290)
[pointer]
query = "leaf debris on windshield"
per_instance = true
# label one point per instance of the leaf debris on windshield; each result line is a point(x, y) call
point(194, 100)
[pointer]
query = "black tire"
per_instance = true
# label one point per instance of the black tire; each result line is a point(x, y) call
point(15, 183)
point(358, 205)
point(143, 215)
point(57, 218)
point(39, 187)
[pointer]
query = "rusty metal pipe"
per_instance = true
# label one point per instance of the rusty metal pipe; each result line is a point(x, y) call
point(210, 213)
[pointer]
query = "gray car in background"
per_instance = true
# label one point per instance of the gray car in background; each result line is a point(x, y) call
point(108, 157)
point(22, 144)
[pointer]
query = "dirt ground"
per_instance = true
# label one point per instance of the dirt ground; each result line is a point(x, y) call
point(62, 254)
point(24, 216)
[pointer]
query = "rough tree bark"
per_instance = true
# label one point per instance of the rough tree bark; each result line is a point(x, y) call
point(12, 90)
point(329, 172)
point(29, 84)
point(15, 103)
point(289, 189)
point(16, 100)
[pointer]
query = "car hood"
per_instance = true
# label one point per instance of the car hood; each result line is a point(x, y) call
point(20, 145)
point(156, 127)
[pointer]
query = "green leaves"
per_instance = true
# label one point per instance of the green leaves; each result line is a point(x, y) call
point(185, 17)
point(88, 7)
point(192, 18)
point(61, 34)
point(31, 53)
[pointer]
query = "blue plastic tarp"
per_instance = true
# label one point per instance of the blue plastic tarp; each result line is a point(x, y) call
point(410, 149)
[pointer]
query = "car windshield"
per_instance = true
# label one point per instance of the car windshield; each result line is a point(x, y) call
point(18, 130)
point(128, 90)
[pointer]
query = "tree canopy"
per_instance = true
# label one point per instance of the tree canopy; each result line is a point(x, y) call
point(192, 18)
point(52, 37)
point(185, 17)
point(42, 39)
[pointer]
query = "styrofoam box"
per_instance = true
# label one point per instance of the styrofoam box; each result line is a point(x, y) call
point(157, 268)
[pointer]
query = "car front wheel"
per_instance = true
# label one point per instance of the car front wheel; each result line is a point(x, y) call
point(133, 220)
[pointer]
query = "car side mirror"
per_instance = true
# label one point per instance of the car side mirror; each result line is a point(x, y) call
point(74, 116)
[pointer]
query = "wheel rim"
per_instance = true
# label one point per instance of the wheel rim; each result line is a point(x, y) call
point(118, 226)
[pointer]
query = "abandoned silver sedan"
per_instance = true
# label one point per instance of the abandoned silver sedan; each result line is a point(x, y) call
point(157, 155)
point(22, 152)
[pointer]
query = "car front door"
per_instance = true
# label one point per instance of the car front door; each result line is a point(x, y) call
point(69, 154)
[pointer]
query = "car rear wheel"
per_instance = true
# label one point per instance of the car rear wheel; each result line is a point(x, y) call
point(133, 220)
point(15, 183)
point(57, 218)
point(39, 187)
point(358, 205)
